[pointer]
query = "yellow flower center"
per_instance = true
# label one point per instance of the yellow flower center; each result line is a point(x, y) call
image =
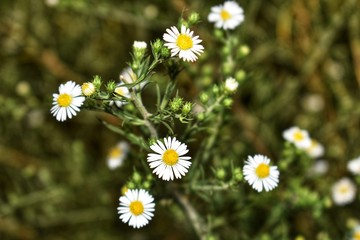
point(343, 189)
point(184, 42)
point(120, 91)
point(170, 157)
point(64, 100)
point(225, 15)
point(136, 208)
point(263, 170)
point(298, 136)
point(115, 152)
point(356, 235)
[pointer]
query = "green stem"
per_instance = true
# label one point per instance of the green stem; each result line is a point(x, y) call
point(168, 91)
point(144, 113)
point(223, 187)
point(196, 221)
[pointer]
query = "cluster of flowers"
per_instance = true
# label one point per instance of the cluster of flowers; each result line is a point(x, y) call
point(302, 140)
point(344, 190)
point(168, 159)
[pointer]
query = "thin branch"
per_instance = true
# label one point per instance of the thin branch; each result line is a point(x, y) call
point(196, 221)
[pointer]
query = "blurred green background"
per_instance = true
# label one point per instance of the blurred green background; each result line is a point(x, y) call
point(304, 69)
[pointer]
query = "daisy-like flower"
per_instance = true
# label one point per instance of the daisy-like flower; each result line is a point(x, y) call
point(67, 102)
point(231, 84)
point(117, 154)
point(227, 16)
point(259, 174)
point(121, 91)
point(183, 43)
point(169, 160)
point(343, 191)
point(136, 207)
point(354, 166)
point(315, 150)
point(298, 136)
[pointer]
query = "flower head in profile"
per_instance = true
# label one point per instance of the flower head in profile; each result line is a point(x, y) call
point(259, 174)
point(136, 207)
point(169, 160)
point(68, 101)
point(139, 45)
point(117, 154)
point(128, 76)
point(343, 191)
point(354, 166)
point(299, 137)
point(183, 43)
point(226, 16)
point(122, 92)
point(315, 150)
point(88, 89)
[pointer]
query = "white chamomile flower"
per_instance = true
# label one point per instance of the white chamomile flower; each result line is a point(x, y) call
point(123, 92)
point(183, 43)
point(136, 207)
point(169, 160)
point(315, 150)
point(231, 84)
point(88, 89)
point(343, 191)
point(68, 101)
point(299, 137)
point(227, 16)
point(259, 174)
point(354, 166)
point(117, 154)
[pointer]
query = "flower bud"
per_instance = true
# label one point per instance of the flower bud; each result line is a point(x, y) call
point(187, 107)
point(240, 75)
point(139, 49)
point(110, 86)
point(136, 177)
point(201, 116)
point(130, 185)
point(193, 18)
point(215, 89)
point(228, 102)
point(165, 52)
point(237, 174)
point(97, 82)
point(221, 173)
point(243, 51)
point(176, 104)
point(88, 89)
point(204, 97)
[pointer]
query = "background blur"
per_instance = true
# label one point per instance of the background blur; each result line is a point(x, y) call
point(303, 69)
